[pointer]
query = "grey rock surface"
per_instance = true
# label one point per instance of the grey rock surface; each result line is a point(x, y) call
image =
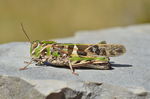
point(128, 80)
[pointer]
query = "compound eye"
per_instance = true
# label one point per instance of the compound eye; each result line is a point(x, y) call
point(34, 45)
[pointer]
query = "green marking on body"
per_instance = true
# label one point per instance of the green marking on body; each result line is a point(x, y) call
point(56, 54)
point(74, 44)
point(48, 51)
point(37, 51)
point(76, 58)
point(102, 42)
point(101, 58)
point(48, 42)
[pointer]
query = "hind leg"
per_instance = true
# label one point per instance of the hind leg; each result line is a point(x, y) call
point(72, 69)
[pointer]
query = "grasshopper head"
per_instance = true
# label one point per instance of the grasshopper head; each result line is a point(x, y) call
point(35, 49)
point(38, 46)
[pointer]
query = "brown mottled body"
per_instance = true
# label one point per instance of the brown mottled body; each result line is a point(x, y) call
point(64, 54)
point(109, 50)
point(73, 55)
point(65, 51)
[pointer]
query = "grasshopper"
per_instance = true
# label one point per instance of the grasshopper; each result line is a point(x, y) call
point(72, 55)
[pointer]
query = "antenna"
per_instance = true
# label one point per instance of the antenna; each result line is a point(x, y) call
point(25, 32)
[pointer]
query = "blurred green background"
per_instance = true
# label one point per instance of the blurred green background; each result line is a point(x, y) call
point(49, 19)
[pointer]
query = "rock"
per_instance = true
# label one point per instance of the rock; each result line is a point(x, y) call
point(129, 78)
point(16, 88)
